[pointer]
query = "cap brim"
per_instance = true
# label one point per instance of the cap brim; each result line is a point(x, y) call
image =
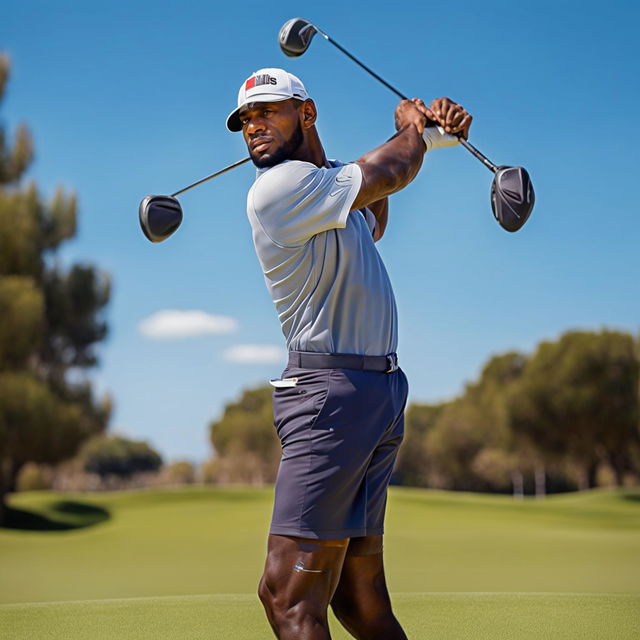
point(233, 120)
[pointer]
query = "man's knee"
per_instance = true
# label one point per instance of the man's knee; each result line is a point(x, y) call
point(367, 623)
point(264, 593)
point(345, 608)
point(366, 612)
point(293, 614)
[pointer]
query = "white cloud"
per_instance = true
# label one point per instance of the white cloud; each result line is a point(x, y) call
point(255, 354)
point(171, 323)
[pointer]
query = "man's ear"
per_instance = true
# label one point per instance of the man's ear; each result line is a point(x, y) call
point(308, 114)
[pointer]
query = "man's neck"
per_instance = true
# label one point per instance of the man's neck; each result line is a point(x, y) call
point(311, 150)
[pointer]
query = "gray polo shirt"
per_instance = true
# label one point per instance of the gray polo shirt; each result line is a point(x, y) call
point(320, 263)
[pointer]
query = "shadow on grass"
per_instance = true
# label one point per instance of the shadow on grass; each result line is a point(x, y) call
point(632, 497)
point(60, 516)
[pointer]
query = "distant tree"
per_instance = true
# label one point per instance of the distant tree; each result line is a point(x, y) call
point(476, 421)
point(118, 456)
point(500, 468)
point(34, 477)
point(577, 401)
point(23, 318)
point(459, 435)
point(509, 457)
point(414, 466)
point(246, 445)
point(180, 472)
point(50, 322)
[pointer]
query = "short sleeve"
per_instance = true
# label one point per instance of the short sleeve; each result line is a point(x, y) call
point(295, 200)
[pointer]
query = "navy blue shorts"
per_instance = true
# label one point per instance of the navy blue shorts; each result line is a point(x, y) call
point(340, 430)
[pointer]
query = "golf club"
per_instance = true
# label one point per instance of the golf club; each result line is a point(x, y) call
point(160, 216)
point(512, 195)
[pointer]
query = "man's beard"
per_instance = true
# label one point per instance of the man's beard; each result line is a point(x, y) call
point(283, 153)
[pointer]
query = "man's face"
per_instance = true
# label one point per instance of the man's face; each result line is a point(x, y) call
point(272, 131)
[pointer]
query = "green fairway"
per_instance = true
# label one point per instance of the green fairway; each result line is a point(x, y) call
point(446, 616)
point(170, 564)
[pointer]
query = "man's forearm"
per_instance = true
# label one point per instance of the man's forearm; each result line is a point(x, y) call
point(391, 166)
point(400, 157)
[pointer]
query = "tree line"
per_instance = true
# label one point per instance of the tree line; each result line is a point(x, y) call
point(564, 417)
point(553, 420)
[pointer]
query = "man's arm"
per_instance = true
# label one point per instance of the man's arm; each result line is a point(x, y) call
point(380, 210)
point(394, 164)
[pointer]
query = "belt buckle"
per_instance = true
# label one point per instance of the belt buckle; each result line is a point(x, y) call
point(392, 359)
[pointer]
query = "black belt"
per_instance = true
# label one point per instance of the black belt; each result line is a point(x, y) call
point(313, 360)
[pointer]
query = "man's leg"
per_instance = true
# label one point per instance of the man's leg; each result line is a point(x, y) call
point(299, 579)
point(361, 601)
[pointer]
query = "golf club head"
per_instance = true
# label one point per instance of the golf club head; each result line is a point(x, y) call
point(159, 217)
point(295, 36)
point(512, 197)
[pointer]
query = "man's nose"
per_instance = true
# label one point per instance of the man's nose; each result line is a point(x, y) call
point(255, 125)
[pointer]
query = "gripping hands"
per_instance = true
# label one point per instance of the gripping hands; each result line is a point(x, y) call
point(451, 120)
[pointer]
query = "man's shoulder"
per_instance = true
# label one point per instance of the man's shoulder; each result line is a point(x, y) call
point(292, 182)
point(288, 177)
point(285, 169)
point(294, 168)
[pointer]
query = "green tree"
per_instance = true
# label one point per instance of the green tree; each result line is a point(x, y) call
point(478, 421)
point(577, 401)
point(50, 321)
point(245, 440)
point(414, 466)
point(118, 456)
point(35, 477)
point(179, 472)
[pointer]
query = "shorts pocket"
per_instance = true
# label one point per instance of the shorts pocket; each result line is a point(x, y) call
point(295, 408)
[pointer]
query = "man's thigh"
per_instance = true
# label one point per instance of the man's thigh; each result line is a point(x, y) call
point(300, 569)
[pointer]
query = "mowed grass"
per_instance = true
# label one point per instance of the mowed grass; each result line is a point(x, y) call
point(185, 563)
point(459, 616)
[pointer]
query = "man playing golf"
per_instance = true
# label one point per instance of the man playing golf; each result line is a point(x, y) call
point(338, 407)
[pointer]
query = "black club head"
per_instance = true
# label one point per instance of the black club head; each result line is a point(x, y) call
point(512, 197)
point(159, 217)
point(295, 36)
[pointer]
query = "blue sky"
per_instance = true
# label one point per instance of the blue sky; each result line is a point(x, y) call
point(127, 99)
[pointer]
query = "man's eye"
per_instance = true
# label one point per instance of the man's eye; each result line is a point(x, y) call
point(267, 112)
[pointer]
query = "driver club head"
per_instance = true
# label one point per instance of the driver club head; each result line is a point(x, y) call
point(159, 217)
point(295, 36)
point(512, 197)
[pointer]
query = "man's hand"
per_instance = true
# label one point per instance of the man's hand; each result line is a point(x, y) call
point(452, 117)
point(408, 112)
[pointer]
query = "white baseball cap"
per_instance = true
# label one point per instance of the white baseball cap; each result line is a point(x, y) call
point(266, 85)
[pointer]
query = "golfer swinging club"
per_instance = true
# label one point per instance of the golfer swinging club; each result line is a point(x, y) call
point(338, 407)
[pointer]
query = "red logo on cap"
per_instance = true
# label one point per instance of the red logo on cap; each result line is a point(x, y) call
point(250, 83)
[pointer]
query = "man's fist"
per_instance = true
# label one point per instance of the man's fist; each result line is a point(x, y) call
point(452, 117)
point(408, 112)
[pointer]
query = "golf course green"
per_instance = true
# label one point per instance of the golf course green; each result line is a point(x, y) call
point(184, 564)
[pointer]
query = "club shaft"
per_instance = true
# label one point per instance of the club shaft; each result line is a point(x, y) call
point(478, 154)
point(364, 66)
point(467, 145)
point(213, 175)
